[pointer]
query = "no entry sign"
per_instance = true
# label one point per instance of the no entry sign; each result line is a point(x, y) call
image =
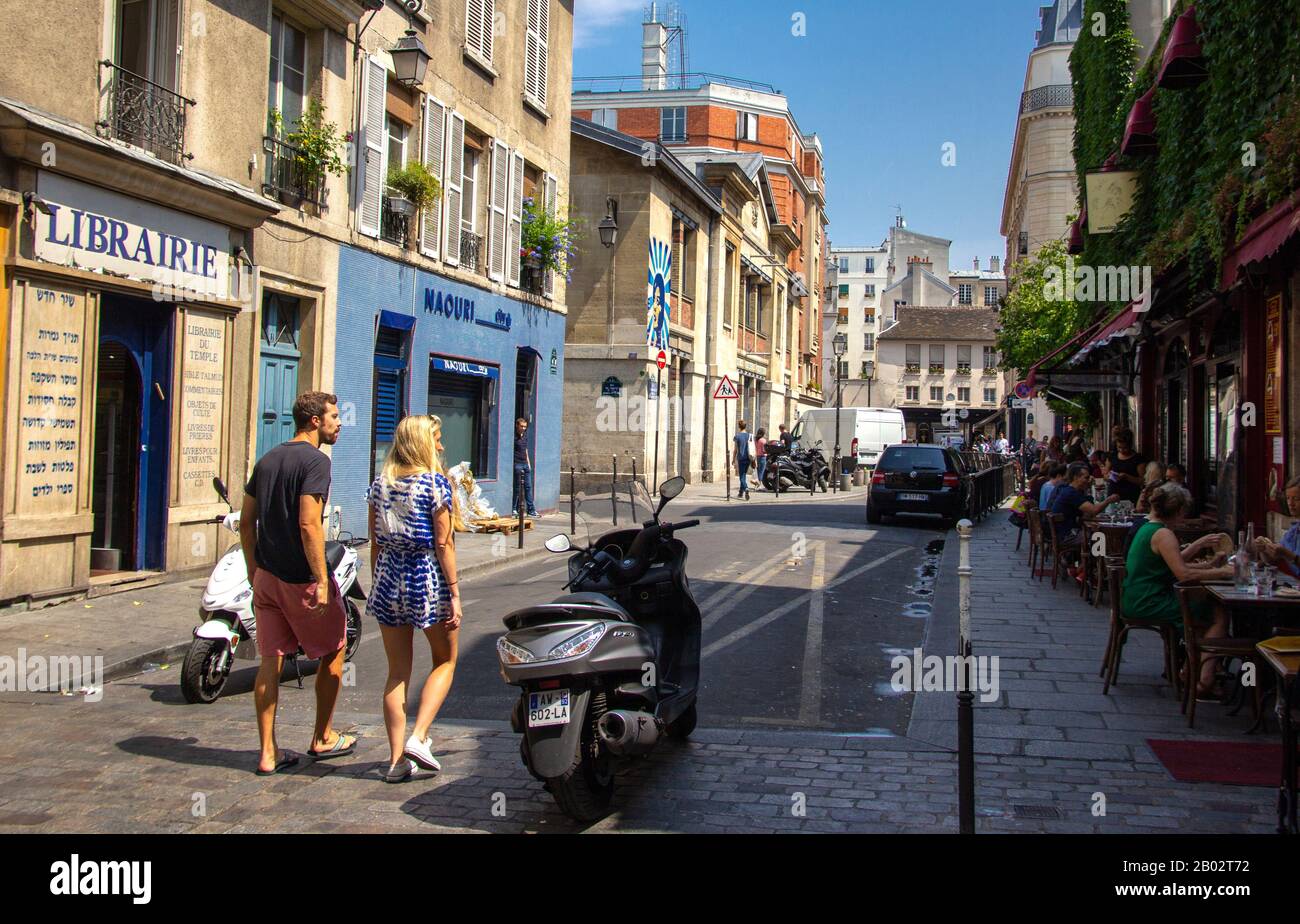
point(662, 359)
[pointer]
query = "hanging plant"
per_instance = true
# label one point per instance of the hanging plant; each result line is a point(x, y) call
point(318, 144)
point(547, 241)
point(416, 184)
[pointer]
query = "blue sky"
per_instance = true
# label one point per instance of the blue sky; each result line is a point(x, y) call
point(885, 85)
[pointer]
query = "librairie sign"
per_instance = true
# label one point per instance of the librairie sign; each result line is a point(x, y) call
point(96, 229)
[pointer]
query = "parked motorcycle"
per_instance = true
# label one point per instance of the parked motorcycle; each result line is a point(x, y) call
point(798, 469)
point(228, 630)
point(609, 669)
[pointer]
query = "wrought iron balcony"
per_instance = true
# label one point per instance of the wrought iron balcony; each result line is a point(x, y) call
point(287, 174)
point(1052, 96)
point(394, 226)
point(471, 250)
point(146, 114)
point(912, 368)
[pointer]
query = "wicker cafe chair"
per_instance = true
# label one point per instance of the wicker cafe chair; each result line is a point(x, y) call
point(1201, 650)
point(1035, 517)
point(1121, 625)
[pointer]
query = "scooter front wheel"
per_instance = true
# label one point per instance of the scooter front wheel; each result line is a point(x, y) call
point(202, 680)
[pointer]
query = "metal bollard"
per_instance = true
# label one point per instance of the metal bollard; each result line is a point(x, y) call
point(573, 504)
point(965, 693)
point(613, 488)
point(522, 507)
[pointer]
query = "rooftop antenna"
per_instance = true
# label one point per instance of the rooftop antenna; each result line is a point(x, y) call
point(899, 221)
point(674, 23)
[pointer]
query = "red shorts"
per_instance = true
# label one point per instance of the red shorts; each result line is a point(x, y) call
point(287, 617)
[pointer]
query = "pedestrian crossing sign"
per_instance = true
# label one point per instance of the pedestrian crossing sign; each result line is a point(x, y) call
point(726, 389)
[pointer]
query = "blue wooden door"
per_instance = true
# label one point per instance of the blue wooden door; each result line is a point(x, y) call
point(278, 376)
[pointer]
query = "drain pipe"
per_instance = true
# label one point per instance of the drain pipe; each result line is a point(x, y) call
point(710, 350)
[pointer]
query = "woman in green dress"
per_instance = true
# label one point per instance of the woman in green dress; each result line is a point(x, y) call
point(1155, 563)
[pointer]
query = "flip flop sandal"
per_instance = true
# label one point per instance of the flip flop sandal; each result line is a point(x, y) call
point(284, 763)
point(336, 751)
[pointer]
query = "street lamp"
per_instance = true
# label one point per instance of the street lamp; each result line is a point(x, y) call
point(869, 373)
point(840, 345)
point(609, 224)
point(410, 57)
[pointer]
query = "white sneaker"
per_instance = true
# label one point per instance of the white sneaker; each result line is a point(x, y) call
point(400, 772)
point(421, 752)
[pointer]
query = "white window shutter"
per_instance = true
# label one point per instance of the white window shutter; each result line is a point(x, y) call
point(370, 176)
point(435, 118)
point(497, 210)
point(514, 235)
point(453, 187)
point(536, 50)
point(549, 185)
point(479, 16)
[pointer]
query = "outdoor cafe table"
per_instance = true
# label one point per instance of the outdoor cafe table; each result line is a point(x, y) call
point(1286, 667)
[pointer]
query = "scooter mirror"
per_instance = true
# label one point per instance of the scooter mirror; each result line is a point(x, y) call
point(220, 487)
point(672, 487)
point(558, 543)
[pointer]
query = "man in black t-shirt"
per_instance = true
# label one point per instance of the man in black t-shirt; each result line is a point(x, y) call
point(1071, 502)
point(295, 599)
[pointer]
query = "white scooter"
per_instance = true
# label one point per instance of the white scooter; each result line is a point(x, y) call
point(229, 627)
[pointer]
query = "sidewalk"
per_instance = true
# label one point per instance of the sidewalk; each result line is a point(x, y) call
point(153, 625)
point(1052, 741)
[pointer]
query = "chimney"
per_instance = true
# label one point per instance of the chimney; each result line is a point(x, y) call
point(977, 264)
point(995, 263)
point(654, 56)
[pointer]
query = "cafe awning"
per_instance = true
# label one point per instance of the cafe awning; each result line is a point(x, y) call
point(1263, 238)
point(1140, 129)
point(1125, 324)
point(1059, 370)
point(1184, 62)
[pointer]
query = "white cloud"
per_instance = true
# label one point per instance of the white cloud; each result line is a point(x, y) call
point(592, 17)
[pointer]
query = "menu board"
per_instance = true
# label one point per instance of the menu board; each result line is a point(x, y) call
point(203, 386)
point(50, 412)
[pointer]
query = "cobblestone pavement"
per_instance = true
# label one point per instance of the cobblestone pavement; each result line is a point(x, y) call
point(140, 760)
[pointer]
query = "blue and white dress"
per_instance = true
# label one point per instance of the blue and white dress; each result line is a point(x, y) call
point(410, 588)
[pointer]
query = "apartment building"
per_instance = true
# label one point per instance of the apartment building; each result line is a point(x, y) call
point(203, 241)
point(861, 277)
point(984, 288)
point(939, 365)
point(704, 119)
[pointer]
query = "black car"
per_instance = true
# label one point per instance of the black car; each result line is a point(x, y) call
point(919, 479)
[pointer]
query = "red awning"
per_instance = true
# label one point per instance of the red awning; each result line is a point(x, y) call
point(1117, 327)
point(1140, 130)
point(1068, 349)
point(1263, 238)
point(1184, 63)
point(1075, 245)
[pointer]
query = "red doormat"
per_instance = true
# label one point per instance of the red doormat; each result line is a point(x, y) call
point(1237, 763)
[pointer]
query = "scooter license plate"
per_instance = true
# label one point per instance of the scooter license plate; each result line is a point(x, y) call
point(548, 708)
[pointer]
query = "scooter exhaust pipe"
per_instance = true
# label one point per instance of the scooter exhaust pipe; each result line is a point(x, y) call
point(626, 732)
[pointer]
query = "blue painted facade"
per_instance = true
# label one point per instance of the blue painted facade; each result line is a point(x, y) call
point(455, 322)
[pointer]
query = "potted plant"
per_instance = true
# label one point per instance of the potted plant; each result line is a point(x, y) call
point(317, 150)
point(546, 244)
point(416, 187)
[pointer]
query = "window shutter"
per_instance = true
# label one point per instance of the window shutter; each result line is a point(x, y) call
point(435, 117)
point(479, 16)
point(370, 176)
point(551, 195)
point(536, 50)
point(514, 235)
point(497, 210)
point(452, 188)
point(388, 404)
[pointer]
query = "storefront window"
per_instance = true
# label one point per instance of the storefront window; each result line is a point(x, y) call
point(1218, 482)
point(1173, 418)
point(464, 396)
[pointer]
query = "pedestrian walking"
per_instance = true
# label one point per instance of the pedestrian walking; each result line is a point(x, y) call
point(413, 519)
point(741, 456)
point(760, 450)
point(523, 469)
point(298, 605)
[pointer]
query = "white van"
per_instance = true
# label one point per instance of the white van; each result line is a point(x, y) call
point(864, 431)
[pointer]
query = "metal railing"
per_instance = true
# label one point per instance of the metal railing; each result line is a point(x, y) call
point(912, 368)
point(286, 173)
point(633, 83)
point(145, 114)
point(471, 250)
point(963, 368)
point(936, 368)
point(993, 480)
point(393, 226)
point(1052, 96)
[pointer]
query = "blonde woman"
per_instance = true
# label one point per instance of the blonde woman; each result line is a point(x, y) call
point(413, 517)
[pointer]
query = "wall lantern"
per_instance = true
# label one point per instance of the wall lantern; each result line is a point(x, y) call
point(609, 224)
point(410, 59)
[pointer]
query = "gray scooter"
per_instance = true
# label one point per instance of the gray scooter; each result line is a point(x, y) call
point(609, 669)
